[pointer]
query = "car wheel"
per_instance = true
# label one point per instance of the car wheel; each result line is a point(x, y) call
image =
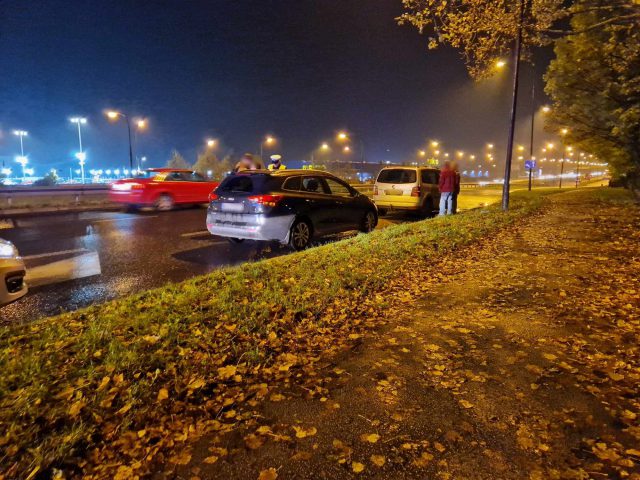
point(235, 241)
point(427, 210)
point(130, 208)
point(382, 212)
point(369, 222)
point(164, 203)
point(300, 235)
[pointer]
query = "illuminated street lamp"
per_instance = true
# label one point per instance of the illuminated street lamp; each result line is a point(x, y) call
point(563, 133)
point(113, 115)
point(267, 141)
point(22, 159)
point(346, 149)
point(344, 137)
point(546, 109)
point(324, 146)
point(81, 156)
point(212, 143)
point(141, 124)
point(501, 64)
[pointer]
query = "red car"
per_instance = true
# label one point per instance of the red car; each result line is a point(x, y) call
point(162, 188)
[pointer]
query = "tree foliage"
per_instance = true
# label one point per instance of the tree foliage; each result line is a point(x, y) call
point(484, 30)
point(594, 83)
point(177, 161)
point(208, 164)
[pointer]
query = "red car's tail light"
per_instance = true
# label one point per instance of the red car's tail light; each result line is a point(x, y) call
point(137, 186)
point(415, 191)
point(266, 200)
point(212, 196)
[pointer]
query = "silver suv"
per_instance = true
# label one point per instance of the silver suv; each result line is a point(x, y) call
point(407, 188)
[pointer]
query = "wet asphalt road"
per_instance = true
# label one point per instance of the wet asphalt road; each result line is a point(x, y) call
point(77, 259)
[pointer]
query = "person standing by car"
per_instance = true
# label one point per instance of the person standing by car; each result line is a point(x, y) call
point(276, 163)
point(456, 191)
point(447, 186)
point(245, 163)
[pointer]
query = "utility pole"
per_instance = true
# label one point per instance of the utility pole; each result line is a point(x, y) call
point(514, 106)
point(533, 122)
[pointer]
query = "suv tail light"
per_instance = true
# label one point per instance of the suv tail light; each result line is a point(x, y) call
point(266, 200)
point(415, 191)
point(212, 196)
point(375, 190)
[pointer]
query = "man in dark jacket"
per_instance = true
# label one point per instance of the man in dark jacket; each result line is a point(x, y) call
point(447, 186)
point(456, 191)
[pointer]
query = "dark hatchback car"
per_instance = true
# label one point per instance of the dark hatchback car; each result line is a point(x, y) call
point(290, 206)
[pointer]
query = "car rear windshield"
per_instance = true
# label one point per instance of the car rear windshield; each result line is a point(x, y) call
point(397, 175)
point(237, 184)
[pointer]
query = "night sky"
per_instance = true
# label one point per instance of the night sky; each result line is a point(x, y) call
point(236, 70)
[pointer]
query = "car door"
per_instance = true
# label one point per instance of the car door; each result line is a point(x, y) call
point(318, 204)
point(197, 189)
point(175, 185)
point(429, 187)
point(347, 213)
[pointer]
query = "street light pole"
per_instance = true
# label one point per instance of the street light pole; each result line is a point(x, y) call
point(533, 120)
point(22, 160)
point(80, 155)
point(113, 115)
point(514, 105)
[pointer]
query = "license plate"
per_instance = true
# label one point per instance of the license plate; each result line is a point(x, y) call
point(233, 207)
point(393, 192)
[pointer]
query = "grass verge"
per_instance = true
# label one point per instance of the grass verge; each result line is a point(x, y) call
point(111, 389)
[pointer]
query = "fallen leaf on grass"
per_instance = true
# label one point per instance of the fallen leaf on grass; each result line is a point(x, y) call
point(253, 441)
point(301, 456)
point(423, 460)
point(181, 458)
point(268, 474)
point(357, 467)
point(75, 408)
point(227, 372)
point(211, 459)
point(371, 437)
point(377, 460)
point(302, 432)
point(466, 404)
point(163, 394)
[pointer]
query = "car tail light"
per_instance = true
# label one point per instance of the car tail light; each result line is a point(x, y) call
point(212, 196)
point(415, 191)
point(375, 190)
point(137, 186)
point(266, 200)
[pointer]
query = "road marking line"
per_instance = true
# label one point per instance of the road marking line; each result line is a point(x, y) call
point(51, 254)
point(86, 265)
point(195, 234)
point(131, 217)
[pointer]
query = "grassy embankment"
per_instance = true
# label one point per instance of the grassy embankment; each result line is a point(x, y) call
point(117, 386)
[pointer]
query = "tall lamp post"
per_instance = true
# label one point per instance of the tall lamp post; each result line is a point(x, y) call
point(22, 160)
point(563, 133)
point(514, 104)
point(113, 115)
point(344, 137)
point(80, 155)
point(268, 141)
point(141, 124)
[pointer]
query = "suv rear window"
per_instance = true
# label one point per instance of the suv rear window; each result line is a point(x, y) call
point(242, 184)
point(397, 175)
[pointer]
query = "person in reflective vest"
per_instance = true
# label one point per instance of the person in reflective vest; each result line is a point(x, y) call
point(276, 163)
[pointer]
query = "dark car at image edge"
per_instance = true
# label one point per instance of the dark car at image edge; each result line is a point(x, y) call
point(289, 206)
